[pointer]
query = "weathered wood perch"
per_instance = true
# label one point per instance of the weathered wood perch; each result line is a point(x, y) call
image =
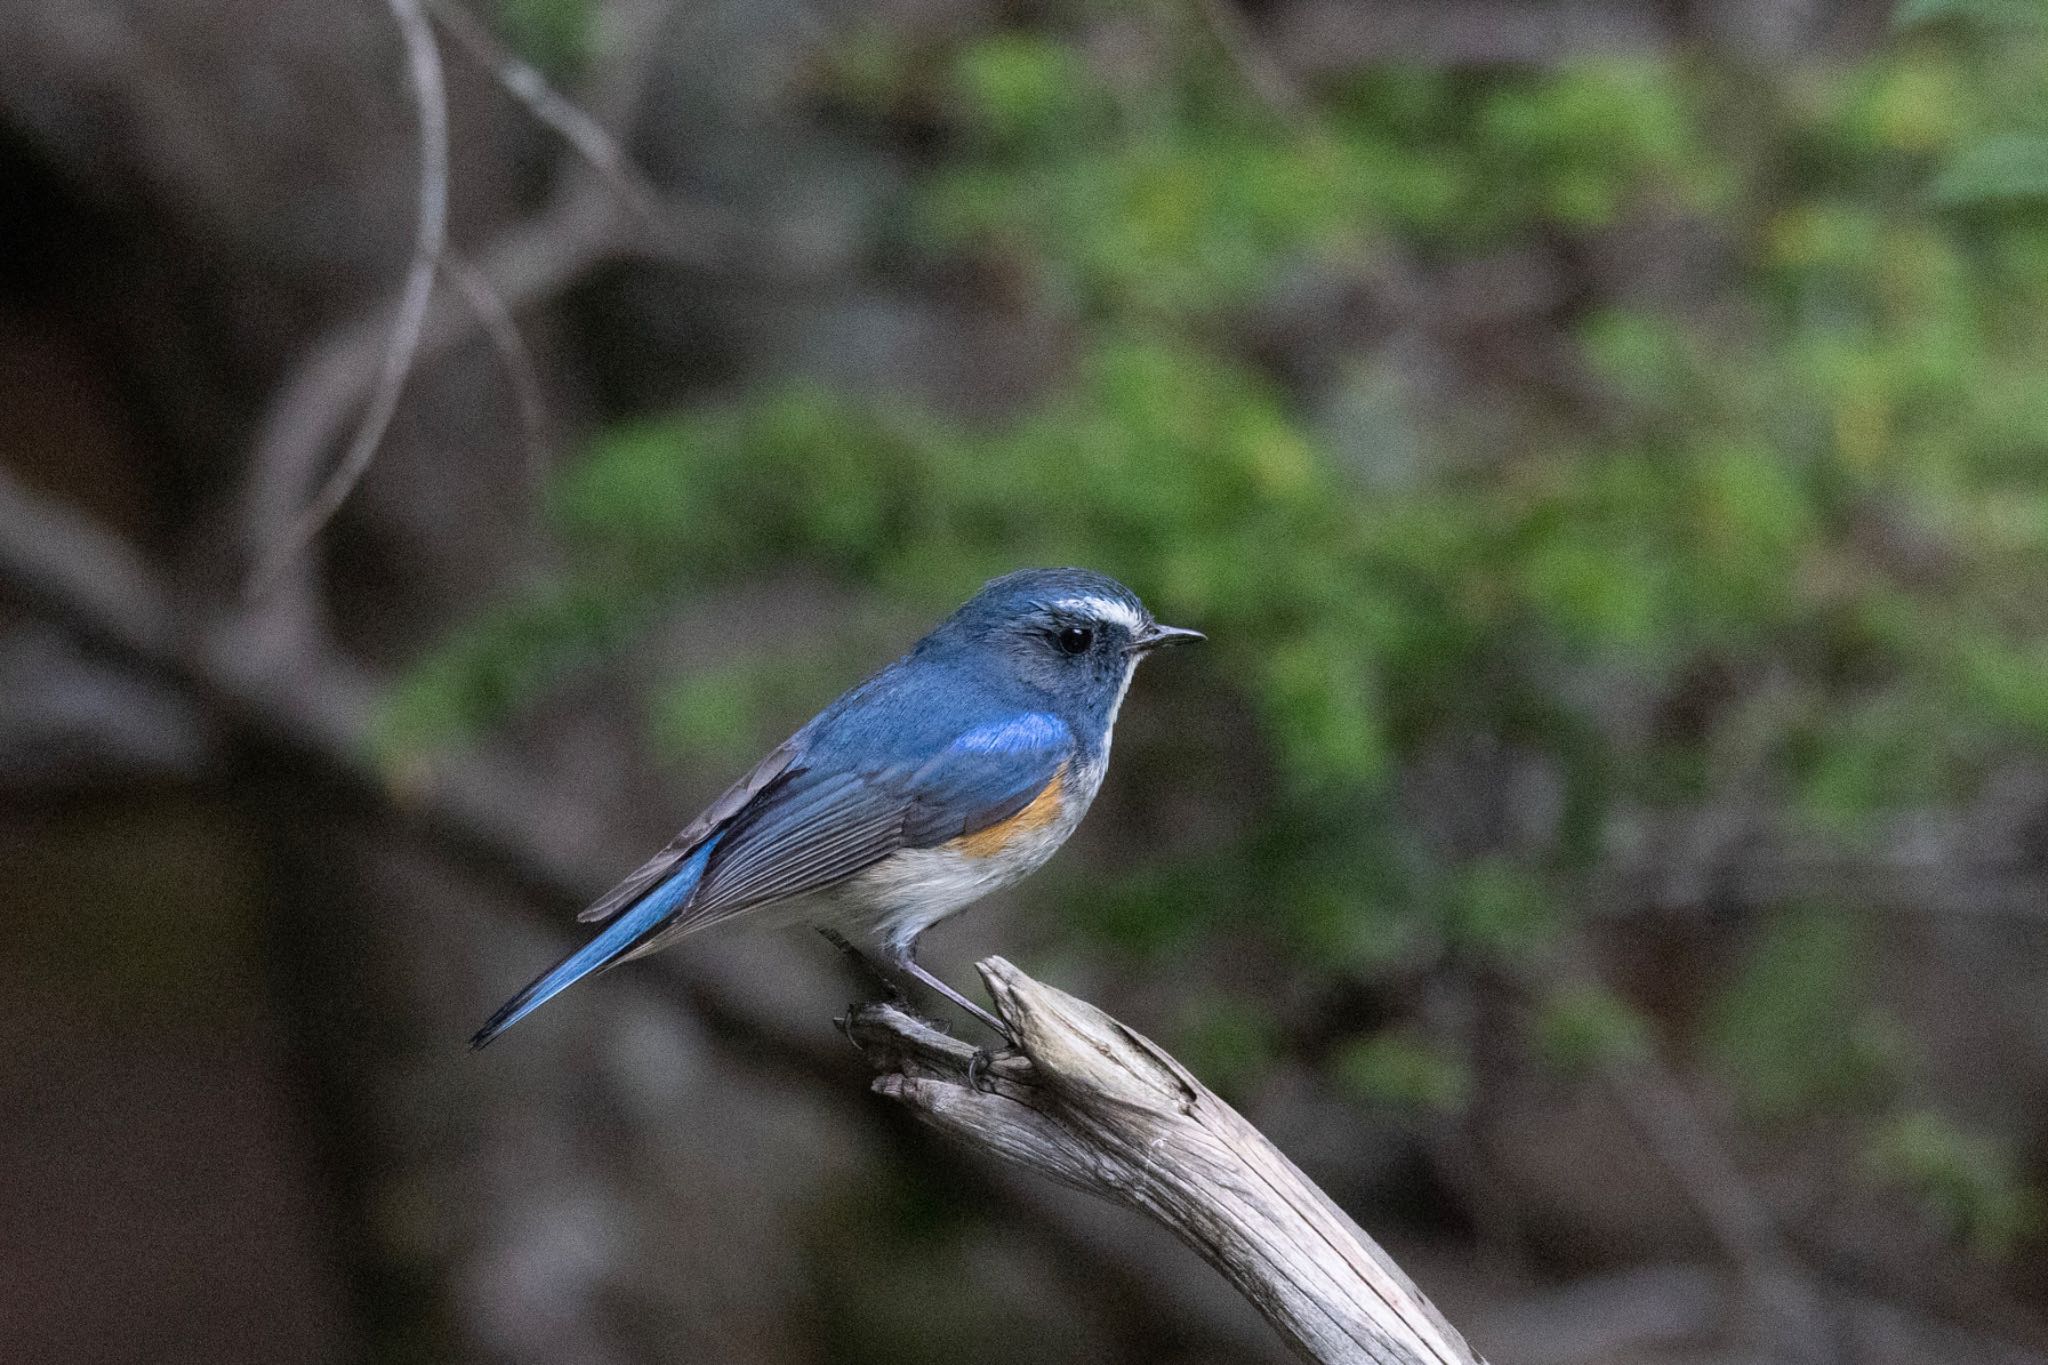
point(1100, 1107)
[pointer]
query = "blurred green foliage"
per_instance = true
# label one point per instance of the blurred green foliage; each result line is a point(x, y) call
point(554, 35)
point(1788, 1029)
point(1586, 1027)
point(1405, 1072)
point(1969, 1179)
point(1788, 537)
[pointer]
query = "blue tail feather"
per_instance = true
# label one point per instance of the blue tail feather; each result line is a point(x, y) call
point(644, 918)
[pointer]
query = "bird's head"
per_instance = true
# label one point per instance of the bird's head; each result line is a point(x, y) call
point(1071, 633)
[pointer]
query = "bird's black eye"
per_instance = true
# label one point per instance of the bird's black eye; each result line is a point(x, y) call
point(1076, 639)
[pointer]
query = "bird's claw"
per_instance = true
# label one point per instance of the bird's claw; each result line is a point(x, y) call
point(978, 1067)
point(844, 1023)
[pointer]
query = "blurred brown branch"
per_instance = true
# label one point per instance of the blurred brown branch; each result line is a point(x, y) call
point(602, 209)
point(582, 131)
point(1097, 1106)
point(1787, 1310)
point(520, 370)
point(430, 239)
point(479, 810)
point(1645, 1312)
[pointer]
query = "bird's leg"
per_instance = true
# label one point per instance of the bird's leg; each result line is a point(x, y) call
point(864, 963)
point(903, 961)
point(979, 1071)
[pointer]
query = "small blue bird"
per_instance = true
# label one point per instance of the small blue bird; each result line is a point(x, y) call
point(954, 772)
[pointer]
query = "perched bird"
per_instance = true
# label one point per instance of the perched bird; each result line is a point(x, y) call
point(955, 771)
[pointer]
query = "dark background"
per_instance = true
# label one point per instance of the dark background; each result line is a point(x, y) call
point(1603, 842)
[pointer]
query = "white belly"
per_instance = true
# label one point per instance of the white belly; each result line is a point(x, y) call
point(908, 892)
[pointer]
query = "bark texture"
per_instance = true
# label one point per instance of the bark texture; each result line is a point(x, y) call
point(1098, 1106)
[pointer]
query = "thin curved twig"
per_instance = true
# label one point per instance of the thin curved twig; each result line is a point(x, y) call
point(1259, 69)
point(524, 82)
point(430, 238)
point(494, 315)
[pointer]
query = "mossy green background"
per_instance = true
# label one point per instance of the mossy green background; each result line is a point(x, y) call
point(1783, 539)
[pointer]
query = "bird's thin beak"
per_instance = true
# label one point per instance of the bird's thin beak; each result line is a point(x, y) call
point(1158, 636)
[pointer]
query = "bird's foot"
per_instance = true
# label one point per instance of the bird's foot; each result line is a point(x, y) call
point(844, 1023)
point(978, 1071)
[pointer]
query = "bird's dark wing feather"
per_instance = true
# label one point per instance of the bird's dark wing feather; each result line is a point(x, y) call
point(657, 869)
point(817, 826)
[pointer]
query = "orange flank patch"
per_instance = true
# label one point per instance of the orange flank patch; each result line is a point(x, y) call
point(1043, 810)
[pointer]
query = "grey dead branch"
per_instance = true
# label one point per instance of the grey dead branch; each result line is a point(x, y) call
point(1098, 1106)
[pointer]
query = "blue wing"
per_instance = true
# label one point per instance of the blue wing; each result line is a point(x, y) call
point(822, 826)
point(845, 792)
point(730, 803)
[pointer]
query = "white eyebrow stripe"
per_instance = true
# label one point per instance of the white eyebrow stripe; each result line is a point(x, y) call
point(1103, 609)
